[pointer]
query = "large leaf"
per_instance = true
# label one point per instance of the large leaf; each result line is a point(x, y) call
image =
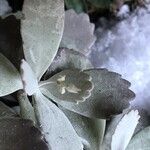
point(68, 59)
point(57, 129)
point(140, 141)
point(41, 32)
point(90, 130)
point(68, 85)
point(110, 95)
point(9, 78)
point(78, 32)
point(78, 5)
point(20, 134)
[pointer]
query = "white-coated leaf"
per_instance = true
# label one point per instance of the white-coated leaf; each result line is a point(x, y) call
point(30, 83)
point(91, 131)
point(78, 32)
point(124, 131)
point(42, 30)
point(9, 77)
point(58, 131)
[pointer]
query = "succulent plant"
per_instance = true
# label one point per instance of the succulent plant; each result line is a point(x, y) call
point(71, 105)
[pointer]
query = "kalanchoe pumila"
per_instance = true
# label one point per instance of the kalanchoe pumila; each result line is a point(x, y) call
point(94, 93)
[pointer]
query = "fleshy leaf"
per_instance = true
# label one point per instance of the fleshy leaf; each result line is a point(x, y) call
point(57, 129)
point(68, 59)
point(78, 5)
point(68, 85)
point(30, 83)
point(41, 32)
point(9, 78)
point(110, 95)
point(78, 32)
point(90, 130)
point(124, 131)
point(20, 134)
point(140, 141)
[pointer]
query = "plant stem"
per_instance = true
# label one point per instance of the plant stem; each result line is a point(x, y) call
point(26, 109)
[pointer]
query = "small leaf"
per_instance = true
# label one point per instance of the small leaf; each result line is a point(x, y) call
point(68, 85)
point(42, 30)
point(124, 131)
point(68, 59)
point(110, 96)
point(90, 130)
point(78, 5)
point(78, 32)
point(20, 134)
point(140, 141)
point(57, 129)
point(10, 78)
point(30, 83)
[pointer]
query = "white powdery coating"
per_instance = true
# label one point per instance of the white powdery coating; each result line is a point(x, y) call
point(125, 48)
point(4, 7)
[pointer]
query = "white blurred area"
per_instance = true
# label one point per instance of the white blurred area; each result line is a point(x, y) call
point(125, 48)
point(4, 7)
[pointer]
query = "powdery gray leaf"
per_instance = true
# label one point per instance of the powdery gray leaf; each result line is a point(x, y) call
point(42, 30)
point(78, 32)
point(68, 59)
point(20, 134)
point(91, 131)
point(10, 78)
point(124, 131)
point(68, 85)
point(58, 131)
point(140, 141)
point(110, 96)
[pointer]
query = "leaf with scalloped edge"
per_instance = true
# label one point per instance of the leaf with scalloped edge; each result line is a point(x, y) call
point(68, 85)
point(110, 95)
point(42, 31)
point(58, 131)
point(78, 32)
point(91, 131)
point(68, 59)
point(10, 78)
